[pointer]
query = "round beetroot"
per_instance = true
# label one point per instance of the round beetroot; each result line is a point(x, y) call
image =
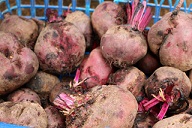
point(60, 47)
point(122, 46)
point(106, 15)
point(18, 63)
point(170, 39)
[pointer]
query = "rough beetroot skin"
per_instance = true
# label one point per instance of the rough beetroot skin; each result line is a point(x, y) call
point(169, 87)
point(55, 118)
point(83, 23)
point(122, 46)
point(26, 30)
point(170, 39)
point(24, 94)
point(95, 68)
point(131, 79)
point(60, 47)
point(18, 63)
point(106, 15)
point(104, 106)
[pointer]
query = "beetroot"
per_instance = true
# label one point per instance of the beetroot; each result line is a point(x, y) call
point(60, 47)
point(167, 90)
point(24, 94)
point(55, 118)
point(83, 23)
point(149, 63)
point(95, 69)
point(170, 39)
point(26, 30)
point(131, 79)
point(107, 15)
point(124, 45)
point(103, 106)
point(18, 63)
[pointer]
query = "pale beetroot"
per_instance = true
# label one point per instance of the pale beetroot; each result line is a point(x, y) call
point(170, 39)
point(83, 23)
point(26, 30)
point(107, 15)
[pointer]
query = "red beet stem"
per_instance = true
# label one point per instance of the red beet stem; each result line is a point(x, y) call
point(163, 111)
point(139, 15)
point(64, 101)
point(151, 103)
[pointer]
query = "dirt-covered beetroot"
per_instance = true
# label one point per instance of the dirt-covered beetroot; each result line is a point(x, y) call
point(167, 89)
point(170, 39)
point(106, 15)
point(24, 94)
point(131, 79)
point(60, 47)
point(176, 121)
point(103, 106)
point(95, 69)
point(26, 30)
point(27, 114)
point(149, 63)
point(43, 83)
point(124, 45)
point(18, 63)
point(83, 23)
point(55, 118)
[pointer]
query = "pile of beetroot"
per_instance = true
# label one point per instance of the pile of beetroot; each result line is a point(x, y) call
point(131, 78)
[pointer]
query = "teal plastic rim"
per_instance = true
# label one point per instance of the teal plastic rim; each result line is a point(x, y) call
point(157, 5)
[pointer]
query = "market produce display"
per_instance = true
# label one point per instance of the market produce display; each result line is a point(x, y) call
point(106, 70)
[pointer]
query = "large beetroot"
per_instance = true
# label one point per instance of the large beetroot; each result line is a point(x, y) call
point(18, 63)
point(60, 47)
point(104, 106)
point(124, 45)
point(170, 39)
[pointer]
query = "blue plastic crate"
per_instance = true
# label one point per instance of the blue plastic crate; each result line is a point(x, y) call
point(5, 6)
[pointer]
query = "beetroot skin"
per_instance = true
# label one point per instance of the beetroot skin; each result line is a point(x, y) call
point(169, 87)
point(122, 46)
point(95, 68)
point(107, 15)
point(170, 39)
point(130, 78)
point(18, 63)
point(26, 30)
point(83, 23)
point(60, 47)
point(103, 106)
